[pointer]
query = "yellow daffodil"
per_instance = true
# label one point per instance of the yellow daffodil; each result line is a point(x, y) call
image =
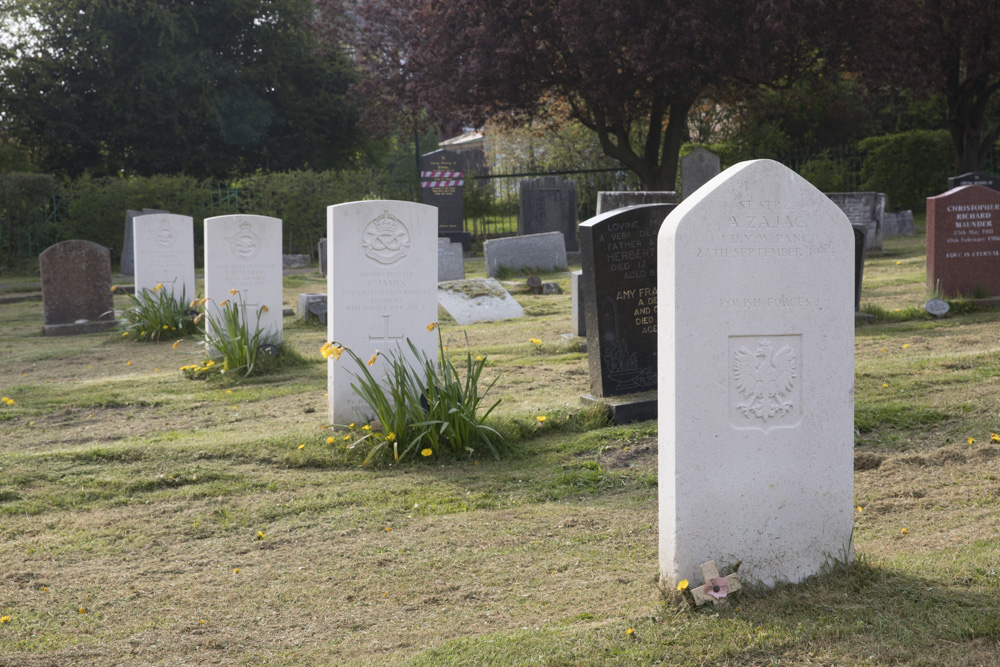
point(884, 385)
point(536, 341)
point(906, 345)
point(194, 302)
point(4, 619)
point(366, 427)
point(124, 334)
point(81, 610)
point(682, 585)
point(261, 535)
point(223, 303)
point(426, 452)
point(166, 326)
point(351, 425)
point(371, 362)
point(860, 509)
point(994, 437)
point(233, 291)
point(479, 357)
point(899, 262)
point(236, 570)
point(630, 631)
point(158, 287)
point(330, 350)
point(197, 319)
point(302, 446)
point(265, 309)
point(128, 363)
point(391, 437)
point(346, 437)
point(432, 326)
point(330, 440)
point(114, 288)
point(905, 531)
point(203, 301)
point(970, 440)
point(388, 529)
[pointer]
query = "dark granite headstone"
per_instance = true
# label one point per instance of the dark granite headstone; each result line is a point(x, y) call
point(548, 204)
point(619, 287)
point(963, 242)
point(609, 201)
point(442, 181)
point(697, 168)
point(859, 262)
point(322, 256)
point(76, 288)
point(974, 178)
point(864, 208)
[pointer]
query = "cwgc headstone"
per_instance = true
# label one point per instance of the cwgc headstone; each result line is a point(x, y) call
point(128, 246)
point(381, 290)
point(243, 252)
point(864, 208)
point(548, 204)
point(609, 201)
point(756, 370)
point(963, 242)
point(322, 256)
point(975, 178)
point(164, 254)
point(542, 252)
point(898, 223)
point(442, 184)
point(619, 287)
point(697, 168)
point(451, 261)
point(76, 288)
point(478, 300)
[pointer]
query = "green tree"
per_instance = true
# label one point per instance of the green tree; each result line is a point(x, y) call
point(169, 86)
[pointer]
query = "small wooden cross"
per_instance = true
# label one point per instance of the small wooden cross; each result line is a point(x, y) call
point(716, 588)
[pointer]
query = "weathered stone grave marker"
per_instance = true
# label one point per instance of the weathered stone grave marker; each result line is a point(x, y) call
point(541, 252)
point(243, 252)
point(76, 288)
point(697, 168)
point(864, 208)
point(381, 290)
point(164, 254)
point(548, 204)
point(618, 250)
point(756, 374)
point(963, 242)
point(451, 260)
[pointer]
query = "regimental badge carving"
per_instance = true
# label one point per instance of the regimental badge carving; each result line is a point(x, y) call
point(764, 381)
point(386, 239)
point(164, 234)
point(246, 244)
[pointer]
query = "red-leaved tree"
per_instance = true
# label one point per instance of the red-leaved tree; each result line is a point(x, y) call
point(629, 70)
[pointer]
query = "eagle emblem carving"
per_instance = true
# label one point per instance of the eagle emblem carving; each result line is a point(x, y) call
point(764, 378)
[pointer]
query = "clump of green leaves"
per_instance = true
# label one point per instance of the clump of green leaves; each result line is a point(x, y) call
point(157, 314)
point(428, 407)
point(233, 342)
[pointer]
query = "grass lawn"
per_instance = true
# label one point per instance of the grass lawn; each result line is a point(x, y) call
point(150, 519)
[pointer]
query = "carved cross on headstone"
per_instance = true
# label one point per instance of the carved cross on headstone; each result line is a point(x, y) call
point(384, 337)
point(716, 588)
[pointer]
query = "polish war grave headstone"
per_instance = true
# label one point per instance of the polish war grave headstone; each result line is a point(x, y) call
point(974, 178)
point(451, 260)
point(963, 242)
point(243, 252)
point(164, 254)
point(697, 168)
point(618, 250)
point(540, 252)
point(548, 204)
point(76, 288)
point(756, 372)
point(864, 208)
point(478, 300)
point(381, 291)
point(128, 246)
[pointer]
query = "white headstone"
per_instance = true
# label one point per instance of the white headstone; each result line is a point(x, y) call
point(243, 252)
point(381, 290)
point(163, 245)
point(756, 378)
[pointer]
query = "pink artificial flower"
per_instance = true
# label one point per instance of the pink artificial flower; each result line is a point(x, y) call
point(717, 588)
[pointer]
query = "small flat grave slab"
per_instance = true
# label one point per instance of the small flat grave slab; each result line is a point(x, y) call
point(164, 254)
point(756, 379)
point(963, 242)
point(76, 288)
point(478, 300)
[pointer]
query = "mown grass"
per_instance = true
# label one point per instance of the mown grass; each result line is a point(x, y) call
point(146, 518)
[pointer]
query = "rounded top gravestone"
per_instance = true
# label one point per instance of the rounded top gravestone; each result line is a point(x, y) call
point(76, 283)
point(756, 373)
